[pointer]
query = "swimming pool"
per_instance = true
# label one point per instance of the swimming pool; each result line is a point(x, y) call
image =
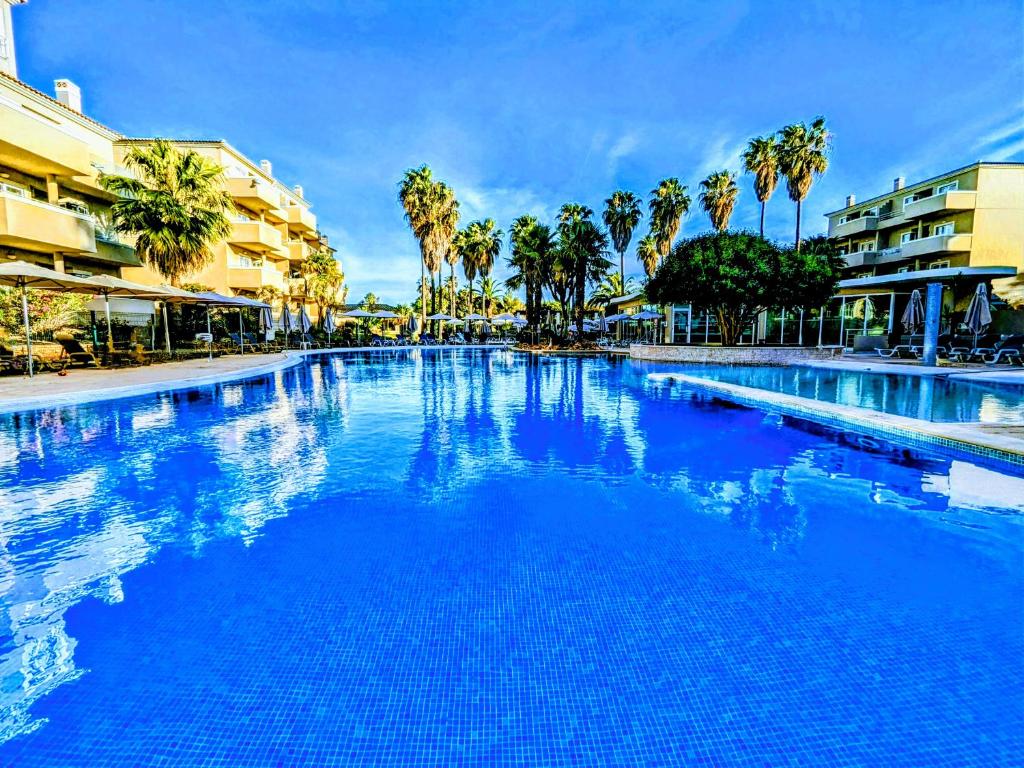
point(445, 557)
point(932, 398)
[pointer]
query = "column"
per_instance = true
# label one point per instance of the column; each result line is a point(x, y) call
point(52, 190)
point(932, 315)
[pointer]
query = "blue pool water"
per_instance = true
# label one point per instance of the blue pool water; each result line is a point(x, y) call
point(478, 558)
point(932, 398)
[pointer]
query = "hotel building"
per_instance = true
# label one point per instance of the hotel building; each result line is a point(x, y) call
point(54, 212)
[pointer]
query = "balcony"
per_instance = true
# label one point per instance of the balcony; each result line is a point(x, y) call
point(298, 250)
point(301, 220)
point(855, 227)
point(948, 202)
point(257, 237)
point(38, 146)
point(252, 193)
point(936, 245)
point(38, 226)
point(296, 287)
point(252, 278)
point(114, 251)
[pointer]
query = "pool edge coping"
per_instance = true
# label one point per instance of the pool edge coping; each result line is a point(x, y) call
point(962, 439)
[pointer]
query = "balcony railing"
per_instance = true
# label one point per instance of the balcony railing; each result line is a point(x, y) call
point(855, 227)
point(936, 245)
point(951, 201)
point(252, 193)
point(38, 226)
point(301, 219)
point(256, 236)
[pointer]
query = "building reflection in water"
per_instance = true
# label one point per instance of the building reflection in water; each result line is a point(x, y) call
point(91, 493)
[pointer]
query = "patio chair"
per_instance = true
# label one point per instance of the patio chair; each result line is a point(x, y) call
point(377, 341)
point(1010, 350)
point(428, 340)
point(900, 352)
point(73, 353)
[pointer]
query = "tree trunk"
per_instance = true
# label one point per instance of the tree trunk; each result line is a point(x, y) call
point(798, 226)
point(452, 305)
point(471, 297)
point(622, 270)
point(762, 218)
point(581, 299)
point(423, 296)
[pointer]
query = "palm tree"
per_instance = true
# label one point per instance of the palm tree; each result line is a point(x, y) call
point(479, 245)
point(452, 257)
point(669, 203)
point(611, 288)
point(324, 280)
point(761, 158)
point(803, 154)
point(369, 302)
point(582, 250)
point(174, 205)
point(488, 293)
point(718, 198)
point(647, 254)
point(532, 250)
point(621, 215)
point(433, 215)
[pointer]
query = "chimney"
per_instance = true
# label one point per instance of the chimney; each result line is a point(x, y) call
point(851, 200)
point(897, 183)
point(298, 190)
point(267, 168)
point(68, 94)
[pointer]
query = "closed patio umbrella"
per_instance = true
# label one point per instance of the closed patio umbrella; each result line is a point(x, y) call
point(913, 315)
point(979, 313)
point(329, 326)
point(303, 321)
point(21, 274)
point(287, 322)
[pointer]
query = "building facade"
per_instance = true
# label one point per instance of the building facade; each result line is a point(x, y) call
point(53, 211)
point(969, 217)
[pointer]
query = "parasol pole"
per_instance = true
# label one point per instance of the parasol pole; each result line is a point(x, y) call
point(167, 330)
point(209, 332)
point(28, 333)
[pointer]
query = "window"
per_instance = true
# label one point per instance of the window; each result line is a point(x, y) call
point(943, 229)
point(907, 237)
point(14, 190)
point(939, 264)
point(843, 219)
point(866, 246)
point(905, 269)
point(842, 251)
point(950, 187)
point(908, 200)
point(871, 212)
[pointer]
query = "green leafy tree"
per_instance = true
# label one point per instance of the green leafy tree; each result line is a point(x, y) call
point(736, 275)
point(803, 156)
point(668, 204)
point(622, 213)
point(174, 205)
point(718, 198)
point(761, 158)
point(488, 293)
point(369, 302)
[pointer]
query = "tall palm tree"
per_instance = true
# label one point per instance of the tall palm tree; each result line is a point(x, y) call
point(452, 257)
point(761, 158)
point(532, 247)
point(668, 204)
point(621, 215)
point(803, 155)
point(611, 288)
point(413, 194)
point(433, 215)
point(479, 244)
point(718, 198)
point(647, 253)
point(175, 206)
point(488, 293)
point(582, 251)
point(324, 280)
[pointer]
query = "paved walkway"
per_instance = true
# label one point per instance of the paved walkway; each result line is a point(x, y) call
point(1003, 375)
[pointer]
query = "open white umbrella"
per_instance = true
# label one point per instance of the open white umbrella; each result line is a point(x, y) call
point(115, 286)
point(21, 274)
point(385, 314)
point(443, 317)
point(647, 315)
point(474, 317)
point(358, 314)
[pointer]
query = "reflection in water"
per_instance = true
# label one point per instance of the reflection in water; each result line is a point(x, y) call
point(92, 493)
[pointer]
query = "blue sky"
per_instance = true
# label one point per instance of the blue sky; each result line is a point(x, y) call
point(524, 106)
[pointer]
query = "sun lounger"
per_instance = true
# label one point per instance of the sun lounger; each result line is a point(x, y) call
point(74, 353)
point(900, 352)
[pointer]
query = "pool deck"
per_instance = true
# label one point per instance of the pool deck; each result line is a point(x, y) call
point(1004, 375)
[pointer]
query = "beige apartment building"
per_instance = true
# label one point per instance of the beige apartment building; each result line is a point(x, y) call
point(54, 212)
point(968, 217)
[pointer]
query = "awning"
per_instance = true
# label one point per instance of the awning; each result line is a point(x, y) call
point(908, 280)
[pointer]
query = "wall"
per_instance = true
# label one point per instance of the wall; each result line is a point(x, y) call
point(732, 355)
